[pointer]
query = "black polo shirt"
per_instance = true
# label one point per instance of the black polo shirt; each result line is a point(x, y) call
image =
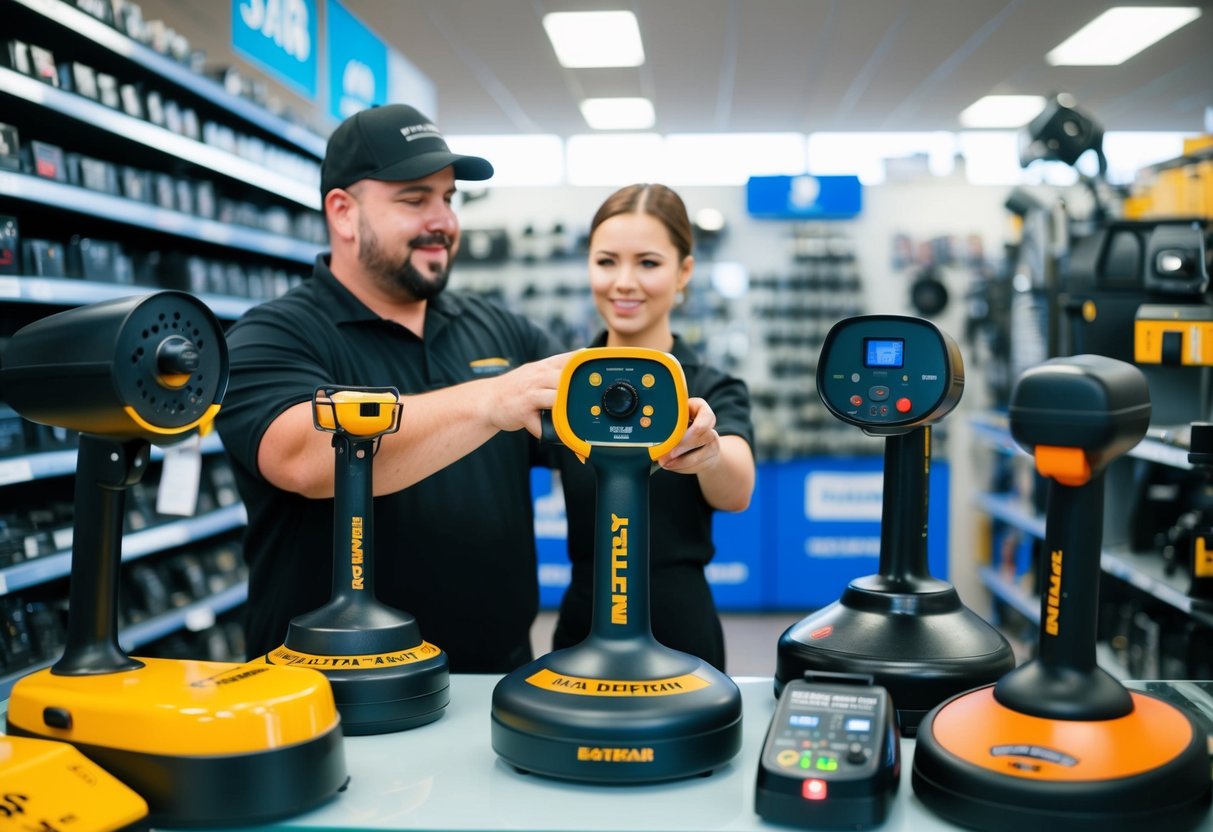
point(457, 549)
point(683, 614)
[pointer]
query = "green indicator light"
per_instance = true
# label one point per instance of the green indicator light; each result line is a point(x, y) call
point(806, 761)
point(827, 763)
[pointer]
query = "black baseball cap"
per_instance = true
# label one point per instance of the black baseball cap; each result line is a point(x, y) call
point(394, 143)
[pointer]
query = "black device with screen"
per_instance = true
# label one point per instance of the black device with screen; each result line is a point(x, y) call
point(831, 758)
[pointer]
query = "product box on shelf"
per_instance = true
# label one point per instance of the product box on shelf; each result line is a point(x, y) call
point(44, 258)
point(46, 160)
point(10, 246)
point(10, 147)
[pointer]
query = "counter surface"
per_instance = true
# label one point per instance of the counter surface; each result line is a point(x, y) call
point(445, 776)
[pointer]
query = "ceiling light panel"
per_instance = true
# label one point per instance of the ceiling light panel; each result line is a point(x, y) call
point(1002, 111)
point(584, 40)
point(618, 113)
point(1120, 33)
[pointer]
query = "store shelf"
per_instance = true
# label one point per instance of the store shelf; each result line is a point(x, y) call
point(75, 21)
point(1012, 594)
point(994, 429)
point(1028, 605)
point(134, 546)
point(196, 616)
point(62, 291)
point(1144, 572)
point(45, 464)
point(157, 138)
point(144, 216)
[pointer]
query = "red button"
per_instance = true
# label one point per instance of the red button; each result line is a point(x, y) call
point(857, 400)
point(813, 789)
point(903, 405)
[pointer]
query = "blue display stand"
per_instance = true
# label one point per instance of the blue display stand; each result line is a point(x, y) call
point(826, 528)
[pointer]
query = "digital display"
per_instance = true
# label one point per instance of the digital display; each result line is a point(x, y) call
point(803, 720)
point(884, 352)
point(857, 725)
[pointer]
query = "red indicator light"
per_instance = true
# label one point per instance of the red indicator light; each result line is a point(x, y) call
point(813, 790)
point(903, 405)
point(857, 400)
point(822, 632)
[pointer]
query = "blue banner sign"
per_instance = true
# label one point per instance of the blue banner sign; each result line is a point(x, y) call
point(279, 36)
point(358, 64)
point(804, 197)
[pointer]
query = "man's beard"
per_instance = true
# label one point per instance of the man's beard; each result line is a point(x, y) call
point(403, 276)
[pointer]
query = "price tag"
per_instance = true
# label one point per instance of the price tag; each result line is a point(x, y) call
point(179, 478)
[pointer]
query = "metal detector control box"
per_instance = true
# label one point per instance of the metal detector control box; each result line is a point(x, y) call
point(831, 759)
point(616, 397)
point(889, 373)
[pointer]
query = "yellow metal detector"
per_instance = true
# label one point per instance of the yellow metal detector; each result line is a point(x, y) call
point(619, 707)
point(384, 676)
point(204, 743)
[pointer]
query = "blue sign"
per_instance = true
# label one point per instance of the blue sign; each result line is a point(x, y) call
point(358, 64)
point(551, 538)
point(738, 570)
point(280, 36)
point(803, 197)
point(827, 527)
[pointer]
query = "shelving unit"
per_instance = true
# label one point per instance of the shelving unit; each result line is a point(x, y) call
point(260, 173)
point(1144, 571)
point(194, 617)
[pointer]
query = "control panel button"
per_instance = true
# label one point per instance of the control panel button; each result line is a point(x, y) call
point(878, 393)
point(857, 400)
point(904, 405)
point(857, 755)
point(620, 400)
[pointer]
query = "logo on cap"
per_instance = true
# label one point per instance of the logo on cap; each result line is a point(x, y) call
point(413, 132)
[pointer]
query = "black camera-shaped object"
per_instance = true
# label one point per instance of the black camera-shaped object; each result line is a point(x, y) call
point(1059, 132)
point(150, 367)
point(621, 397)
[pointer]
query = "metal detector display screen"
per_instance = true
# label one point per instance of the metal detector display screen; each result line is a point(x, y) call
point(884, 352)
point(803, 720)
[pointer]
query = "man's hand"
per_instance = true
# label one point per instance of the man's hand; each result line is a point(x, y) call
point(516, 398)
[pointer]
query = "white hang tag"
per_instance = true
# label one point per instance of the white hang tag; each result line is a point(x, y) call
point(179, 478)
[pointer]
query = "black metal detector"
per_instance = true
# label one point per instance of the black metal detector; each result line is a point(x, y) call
point(895, 376)
point(205, 743)
point(619, 707)
point(1058, 743)
point(384, 676)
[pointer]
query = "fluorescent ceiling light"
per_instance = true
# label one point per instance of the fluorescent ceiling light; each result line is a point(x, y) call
point(1120, 33)
point(618, 113)
point(1002, 111)
point(594, 39)
point(730, 158)
point(518, 160)
point(613, 159)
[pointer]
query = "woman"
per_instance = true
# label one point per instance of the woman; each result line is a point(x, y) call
point(640, 264)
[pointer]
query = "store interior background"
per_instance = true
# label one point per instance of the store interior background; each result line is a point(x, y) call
point(873, 89)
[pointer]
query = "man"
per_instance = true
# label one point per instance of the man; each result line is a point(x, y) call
point(454, 542)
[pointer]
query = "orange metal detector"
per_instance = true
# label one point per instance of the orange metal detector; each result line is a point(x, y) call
point(384, 676)
point(1058, 744)
point(205, 743)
